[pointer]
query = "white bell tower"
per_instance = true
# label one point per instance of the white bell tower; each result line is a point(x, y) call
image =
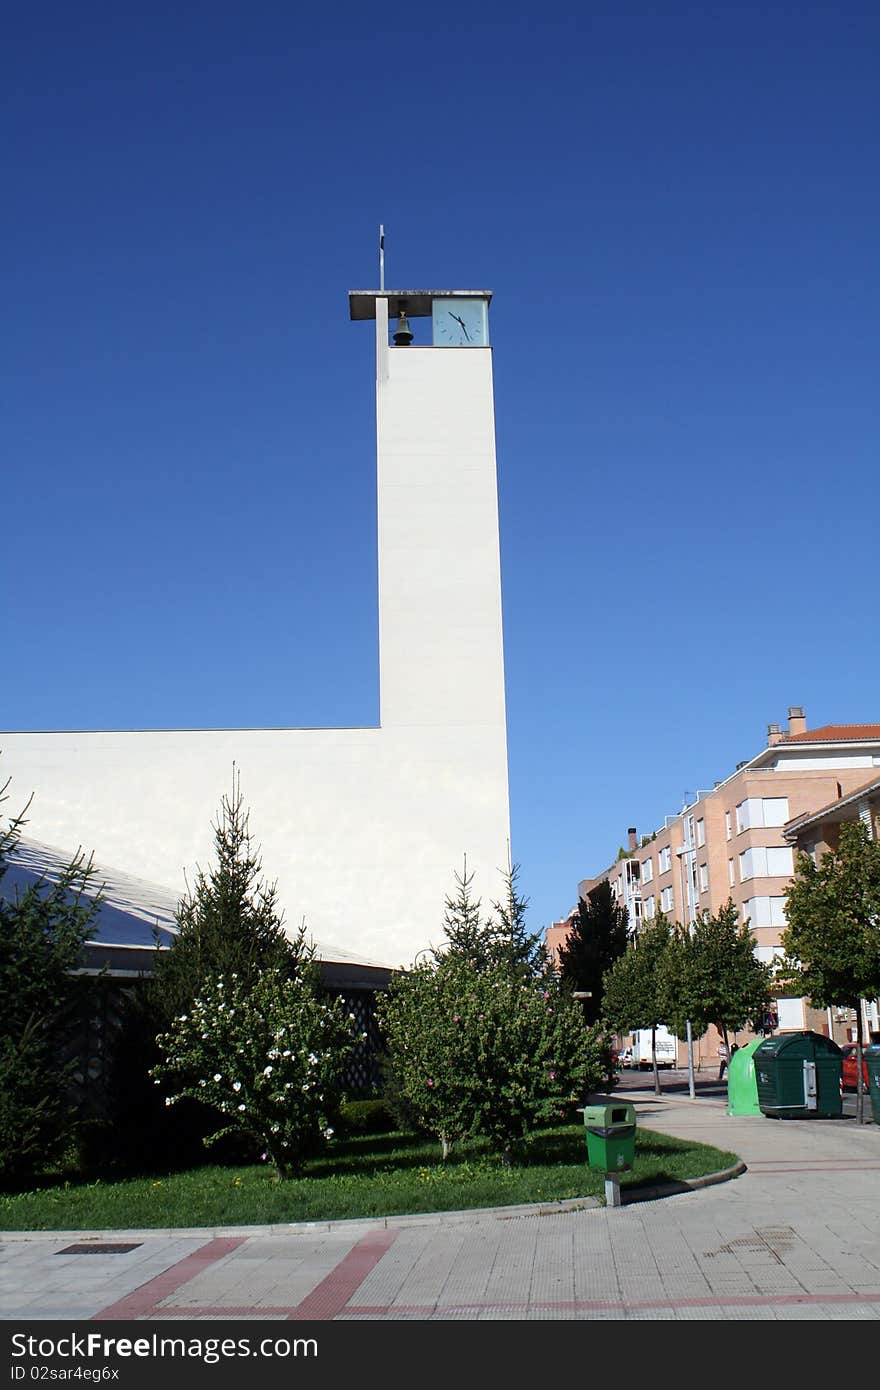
point(440, 633)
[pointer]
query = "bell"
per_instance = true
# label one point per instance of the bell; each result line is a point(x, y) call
point(403, 334)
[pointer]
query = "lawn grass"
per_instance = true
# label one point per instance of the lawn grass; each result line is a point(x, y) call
point(365, 1176)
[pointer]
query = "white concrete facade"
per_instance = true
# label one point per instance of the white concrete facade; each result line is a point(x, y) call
point(363, 828)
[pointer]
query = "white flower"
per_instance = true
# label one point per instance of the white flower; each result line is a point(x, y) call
point(182, 1018)
point(203, 1082)
point(328, 1133)
point(287, 1052)
point(236, 1085)
point(267, 1071)
point(313, 1061)
point(167, 1100)
point(216, 1076)
point(241, 1107)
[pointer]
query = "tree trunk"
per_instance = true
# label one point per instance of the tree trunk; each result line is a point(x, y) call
point(445, 1146)
point(654, 1059)
point(860, 1081)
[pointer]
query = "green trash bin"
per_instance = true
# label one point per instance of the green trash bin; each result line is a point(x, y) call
point(742, 1084)
point(611, 1136)
point(799, 1076)
point(872, 1062)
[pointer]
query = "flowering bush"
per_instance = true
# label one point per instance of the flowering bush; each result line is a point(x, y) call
point(486, 1052)
point(267, 1055)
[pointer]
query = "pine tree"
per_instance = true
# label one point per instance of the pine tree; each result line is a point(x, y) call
point(42, 933)
point(596, 940)
point(467, 937)
point(513, 942)
point(229, 921)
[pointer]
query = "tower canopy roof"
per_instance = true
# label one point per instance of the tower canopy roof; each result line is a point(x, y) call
point(362, 303)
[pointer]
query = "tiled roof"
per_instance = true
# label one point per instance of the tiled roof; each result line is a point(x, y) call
point(837, 733)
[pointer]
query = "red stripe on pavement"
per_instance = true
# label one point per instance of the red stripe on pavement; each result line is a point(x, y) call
point(142, 1301)
point(332, 1294)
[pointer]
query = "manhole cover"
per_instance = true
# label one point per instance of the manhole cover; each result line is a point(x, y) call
point(102, 1248)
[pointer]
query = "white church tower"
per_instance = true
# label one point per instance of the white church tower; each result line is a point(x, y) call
point(363, 828)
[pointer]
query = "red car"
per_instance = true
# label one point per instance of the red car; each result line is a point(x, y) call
point(850, 1080)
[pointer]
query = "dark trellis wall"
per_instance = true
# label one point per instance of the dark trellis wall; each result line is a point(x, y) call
point(91, 1027)
point(94, 1019)
point(363, 1074)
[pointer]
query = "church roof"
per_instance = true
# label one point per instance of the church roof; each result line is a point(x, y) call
point(134, 914)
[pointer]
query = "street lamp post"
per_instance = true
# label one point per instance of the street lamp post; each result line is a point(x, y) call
point(679, 854)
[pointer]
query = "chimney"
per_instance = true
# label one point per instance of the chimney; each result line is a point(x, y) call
point(633, 838)
point(774, 734)
point(797, 720)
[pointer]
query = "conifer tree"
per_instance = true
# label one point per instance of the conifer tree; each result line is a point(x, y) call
point(467, 936)
point(42, 933)
point(229, 921)
point(513, 942)
point(596, 940)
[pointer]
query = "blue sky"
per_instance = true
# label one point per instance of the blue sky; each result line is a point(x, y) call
point(677, 209)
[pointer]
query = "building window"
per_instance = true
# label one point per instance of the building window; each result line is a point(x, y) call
point(775, 810)
point(727, 824)
point(731, 872)
point(764, 912)
point(666, 900)
point(665, 859)
point(647, 870)
point(779, 861)
point(649, 907)
point(704, 878)
point(701, 831)
point(759, 811)
point(770, 861)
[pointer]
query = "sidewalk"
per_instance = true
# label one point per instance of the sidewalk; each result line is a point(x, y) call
point(796, 1236)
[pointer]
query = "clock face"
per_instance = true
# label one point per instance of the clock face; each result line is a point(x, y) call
point(460, 323)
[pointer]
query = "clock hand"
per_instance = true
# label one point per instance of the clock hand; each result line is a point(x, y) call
point(460, 320)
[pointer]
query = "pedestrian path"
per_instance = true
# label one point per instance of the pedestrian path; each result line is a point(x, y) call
point(796, 1236)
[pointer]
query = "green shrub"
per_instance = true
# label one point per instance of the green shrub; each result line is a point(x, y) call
point(364, 1117)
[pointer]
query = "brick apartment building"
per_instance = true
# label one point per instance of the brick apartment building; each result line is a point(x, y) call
point(738, 841)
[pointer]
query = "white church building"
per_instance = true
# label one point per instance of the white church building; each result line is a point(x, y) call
point(363, 828)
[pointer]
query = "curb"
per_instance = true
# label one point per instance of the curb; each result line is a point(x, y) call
point(398, 1222)
point(674, 1189)
point(294, 1228)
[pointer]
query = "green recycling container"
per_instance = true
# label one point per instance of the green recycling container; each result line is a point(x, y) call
point(742, 1084)
point(872, 1062)
point(798, 1076)
point(611, 1136)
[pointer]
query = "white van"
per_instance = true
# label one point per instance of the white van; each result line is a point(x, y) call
point(665, 1043)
